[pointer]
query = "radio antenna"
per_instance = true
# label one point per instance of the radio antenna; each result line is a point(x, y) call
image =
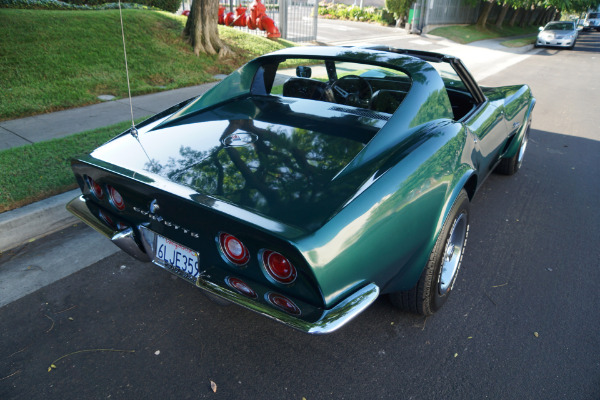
point(133, 130)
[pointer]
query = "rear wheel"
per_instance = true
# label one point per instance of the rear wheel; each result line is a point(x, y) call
point(438, 277)
point(510, 166)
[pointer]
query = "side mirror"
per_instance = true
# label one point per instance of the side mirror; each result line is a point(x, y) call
point(541, 28)
point(303, 72)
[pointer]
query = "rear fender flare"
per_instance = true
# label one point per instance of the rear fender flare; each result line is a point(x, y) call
point(465, 182)
point(407, 278)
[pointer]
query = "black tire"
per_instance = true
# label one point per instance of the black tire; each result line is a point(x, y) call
point(431, 292)
point(510, 166)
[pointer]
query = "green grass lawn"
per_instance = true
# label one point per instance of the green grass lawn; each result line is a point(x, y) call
point(472, 33)
point(34, 172)
point(53, 60)
point(520, 42)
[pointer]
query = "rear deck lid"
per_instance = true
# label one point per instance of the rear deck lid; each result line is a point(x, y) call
point(273, 157)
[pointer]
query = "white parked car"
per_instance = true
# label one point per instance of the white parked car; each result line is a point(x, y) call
point(558, 34)
point(592, 21)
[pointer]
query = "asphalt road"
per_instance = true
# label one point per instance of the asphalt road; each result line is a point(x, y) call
point(523, 322)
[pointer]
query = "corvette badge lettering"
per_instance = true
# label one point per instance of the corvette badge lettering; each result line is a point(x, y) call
point(170, 224)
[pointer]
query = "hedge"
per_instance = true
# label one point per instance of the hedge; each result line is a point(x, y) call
point(166, 5)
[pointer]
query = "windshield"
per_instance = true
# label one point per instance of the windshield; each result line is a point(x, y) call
point(560, 26)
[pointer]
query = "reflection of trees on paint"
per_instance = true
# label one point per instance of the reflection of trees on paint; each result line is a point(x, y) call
point(434, 171)
point(287, 170)
point(436, 106)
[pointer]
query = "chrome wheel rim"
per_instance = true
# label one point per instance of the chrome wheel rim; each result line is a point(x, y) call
point(453, 254)
point(523, 147)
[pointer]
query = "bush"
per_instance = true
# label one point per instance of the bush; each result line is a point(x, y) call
point(398, 7)
point(167, 5)
point(367, 14)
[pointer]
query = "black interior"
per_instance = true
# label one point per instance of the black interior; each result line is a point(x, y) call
point(462, 103)
point(387, 93)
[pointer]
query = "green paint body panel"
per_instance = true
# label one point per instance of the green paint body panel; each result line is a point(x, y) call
point(352, 200)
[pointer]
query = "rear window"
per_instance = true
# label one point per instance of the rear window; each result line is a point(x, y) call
point(346, 83)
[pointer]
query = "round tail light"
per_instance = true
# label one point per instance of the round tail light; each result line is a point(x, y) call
point(233, 249)
point(95, 189)
point(115, 198)
point(106, 218)
point(241, 287)
point(278, 267)
point(283, 303)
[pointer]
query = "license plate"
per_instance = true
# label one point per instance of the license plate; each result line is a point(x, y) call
point(177, 256)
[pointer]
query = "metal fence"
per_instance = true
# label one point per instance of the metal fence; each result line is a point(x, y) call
point(295, 19)
point(443, 12)
point(298, 20)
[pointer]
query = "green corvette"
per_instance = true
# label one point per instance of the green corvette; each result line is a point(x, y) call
point(311, 181)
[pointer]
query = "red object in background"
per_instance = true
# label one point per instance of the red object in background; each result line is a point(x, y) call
point(257, 9)
point(221, 15)
point(229, 19)
point(185, 12)
point(259, 19)
point(267, 24)
point(240, 16)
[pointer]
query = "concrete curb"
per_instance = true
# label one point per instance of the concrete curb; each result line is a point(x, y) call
point(35, 220)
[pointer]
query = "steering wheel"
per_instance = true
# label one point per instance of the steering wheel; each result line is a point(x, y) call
point(352, 90)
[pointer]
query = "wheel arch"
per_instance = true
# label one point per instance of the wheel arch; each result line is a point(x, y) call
point(407, 278)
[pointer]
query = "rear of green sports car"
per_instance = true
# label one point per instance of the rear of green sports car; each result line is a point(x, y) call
point(222, 201)
point(301, 195)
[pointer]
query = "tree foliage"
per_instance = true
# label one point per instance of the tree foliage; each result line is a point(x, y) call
point(531, 12)
point(398, 7)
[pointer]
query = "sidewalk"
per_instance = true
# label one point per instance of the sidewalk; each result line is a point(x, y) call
point(59, 124)
point(483, 58)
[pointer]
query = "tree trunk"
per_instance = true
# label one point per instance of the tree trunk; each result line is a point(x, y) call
point(485, 13)
point(539, 17)
point(549, 15)
point(533, 16)
point(514, 17)
point(201, 29)
point(502, 15)
point(525, 18)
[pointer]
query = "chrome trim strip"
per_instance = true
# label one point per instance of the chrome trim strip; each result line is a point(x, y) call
point(330, 321)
